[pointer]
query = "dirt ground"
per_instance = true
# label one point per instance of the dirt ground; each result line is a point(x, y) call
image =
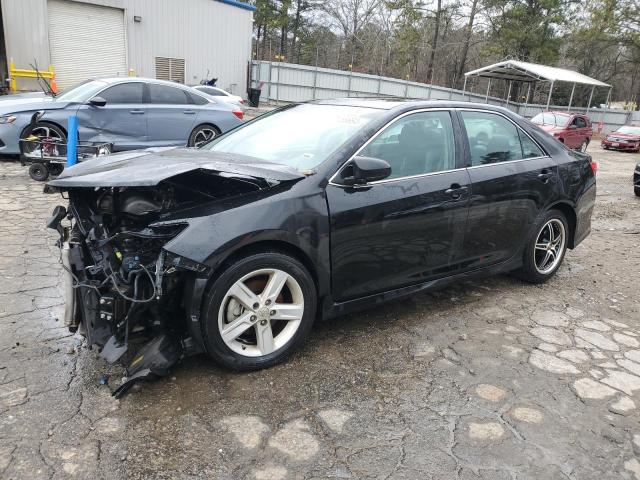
point(491, 379)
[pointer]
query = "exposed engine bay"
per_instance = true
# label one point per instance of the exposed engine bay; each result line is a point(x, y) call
point(123, 288)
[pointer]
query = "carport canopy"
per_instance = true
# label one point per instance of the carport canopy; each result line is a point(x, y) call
point(517, 71)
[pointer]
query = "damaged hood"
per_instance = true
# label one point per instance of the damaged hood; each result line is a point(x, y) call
point(150, 167)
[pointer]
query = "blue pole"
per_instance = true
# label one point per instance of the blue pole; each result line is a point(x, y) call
point(72, 141)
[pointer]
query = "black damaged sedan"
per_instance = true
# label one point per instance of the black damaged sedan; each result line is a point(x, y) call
point(308, 212)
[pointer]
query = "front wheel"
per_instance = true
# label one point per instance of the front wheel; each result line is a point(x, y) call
point(545, 249)
point(258, 311)
point(43, 131)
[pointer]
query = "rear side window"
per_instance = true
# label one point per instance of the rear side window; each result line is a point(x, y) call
point(123, 93)
point(197, 99)
point(163, 94)
point(416, 144)
point(494, 139)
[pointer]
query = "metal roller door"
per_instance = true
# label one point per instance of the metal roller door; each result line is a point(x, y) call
point(86, 41)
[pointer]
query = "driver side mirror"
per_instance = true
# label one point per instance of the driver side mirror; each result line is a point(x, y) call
point(98, 102)
point(362, 170)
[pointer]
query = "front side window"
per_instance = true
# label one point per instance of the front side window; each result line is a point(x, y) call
point(493, 139)
point(301, 136)
point(579, 122)
point(162, 94)
point(416, 144)
point(124, 93)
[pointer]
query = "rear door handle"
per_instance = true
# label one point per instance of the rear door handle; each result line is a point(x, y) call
point(189, 112)
point(545, 175)
point(455, 191)
point(137, 112)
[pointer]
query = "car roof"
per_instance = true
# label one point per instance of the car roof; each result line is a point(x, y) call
point(114, 80)
point(398, 103)
point(566, 114)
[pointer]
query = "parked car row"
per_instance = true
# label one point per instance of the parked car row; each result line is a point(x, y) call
point(130, 113)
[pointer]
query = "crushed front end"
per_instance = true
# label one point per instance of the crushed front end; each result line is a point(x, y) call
point(122, 287)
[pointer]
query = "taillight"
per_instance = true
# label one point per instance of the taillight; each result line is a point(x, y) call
point(594, 167)
point(238, 113)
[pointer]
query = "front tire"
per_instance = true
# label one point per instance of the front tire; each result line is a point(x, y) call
point(42, 130)
point(545, 249)
point(258, 311)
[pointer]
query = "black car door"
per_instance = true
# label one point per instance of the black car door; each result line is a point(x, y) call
point(512, 180)
point(408, 228)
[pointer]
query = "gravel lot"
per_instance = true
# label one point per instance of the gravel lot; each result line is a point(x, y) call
point(491, 379)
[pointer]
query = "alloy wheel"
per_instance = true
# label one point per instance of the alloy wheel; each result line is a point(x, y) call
point(261, 312)
point(202, 136)
point(550, 245)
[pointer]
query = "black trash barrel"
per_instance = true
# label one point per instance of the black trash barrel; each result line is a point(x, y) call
point(254, 96)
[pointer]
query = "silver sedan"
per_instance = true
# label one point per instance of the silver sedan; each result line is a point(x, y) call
point(129, 112)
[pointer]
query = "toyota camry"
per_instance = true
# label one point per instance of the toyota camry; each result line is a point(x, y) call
point(306, 213)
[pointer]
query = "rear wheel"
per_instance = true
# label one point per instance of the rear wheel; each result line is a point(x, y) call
point(584, 145)
point(546, 248)
point(201, 135)
point(258, 311)
point(39, 172)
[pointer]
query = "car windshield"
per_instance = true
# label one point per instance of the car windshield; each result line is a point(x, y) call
point(302, 136)
point(82, 92)
point(551, 118)
point(629, 130)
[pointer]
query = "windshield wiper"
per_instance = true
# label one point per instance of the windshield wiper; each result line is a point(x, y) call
point(42, 82)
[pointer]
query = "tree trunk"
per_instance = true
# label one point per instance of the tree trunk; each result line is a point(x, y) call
point(283, 41)
point(296, 27)
point(465, 46)
point(434, 46)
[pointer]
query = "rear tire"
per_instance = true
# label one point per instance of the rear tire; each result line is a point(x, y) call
point(545, 248)
point(39, 172)
point(241, 323)
point(584, 145)
point(202, 134)
point(636, 190)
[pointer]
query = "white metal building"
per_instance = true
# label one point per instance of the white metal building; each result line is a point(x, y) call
point(181, 40)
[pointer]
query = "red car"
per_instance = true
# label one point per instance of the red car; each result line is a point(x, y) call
point(572, 129)
point(626, 138)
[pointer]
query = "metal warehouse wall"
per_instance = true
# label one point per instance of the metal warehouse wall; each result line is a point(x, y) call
point(208, 34)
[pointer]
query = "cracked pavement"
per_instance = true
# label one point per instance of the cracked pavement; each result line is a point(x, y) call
point(490, 379)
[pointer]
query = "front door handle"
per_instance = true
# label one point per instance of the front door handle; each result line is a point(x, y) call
point(189, 112)
point(545, 175)
point(455, 191)
point(137, 112)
